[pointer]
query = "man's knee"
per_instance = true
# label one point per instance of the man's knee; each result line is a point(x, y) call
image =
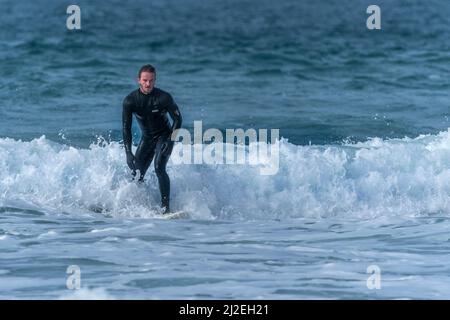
point(160, 170)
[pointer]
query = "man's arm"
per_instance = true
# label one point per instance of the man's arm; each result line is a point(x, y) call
point(174, 112)
point(127, 118)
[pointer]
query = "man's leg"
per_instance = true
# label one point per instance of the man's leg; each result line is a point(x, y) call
point(164, 148)
point(144, 156)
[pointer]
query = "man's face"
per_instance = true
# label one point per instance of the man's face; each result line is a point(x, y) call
point(147, 82)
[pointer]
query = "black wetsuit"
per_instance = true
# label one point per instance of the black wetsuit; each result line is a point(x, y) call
point(151, 111)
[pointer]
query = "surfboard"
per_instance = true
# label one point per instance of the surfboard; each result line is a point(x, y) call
point(174, 215)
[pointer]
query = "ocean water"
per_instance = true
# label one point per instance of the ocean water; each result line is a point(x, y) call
point(363, 179)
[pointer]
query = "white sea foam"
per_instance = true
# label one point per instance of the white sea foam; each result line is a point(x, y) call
point(364, 180)
point(105, 230)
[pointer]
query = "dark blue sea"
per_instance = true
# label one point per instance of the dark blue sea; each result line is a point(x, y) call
point(362, 181)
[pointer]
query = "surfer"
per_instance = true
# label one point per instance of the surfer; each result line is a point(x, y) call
point(150, 106)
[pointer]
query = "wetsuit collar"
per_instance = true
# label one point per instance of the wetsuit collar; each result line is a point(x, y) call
point(146, 94)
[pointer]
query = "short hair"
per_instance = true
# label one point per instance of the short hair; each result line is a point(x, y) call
point(147, 68)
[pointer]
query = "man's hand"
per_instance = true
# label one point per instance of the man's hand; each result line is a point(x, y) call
point(131, 161)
